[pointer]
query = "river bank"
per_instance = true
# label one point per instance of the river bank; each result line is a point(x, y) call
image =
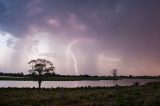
point(73, 78)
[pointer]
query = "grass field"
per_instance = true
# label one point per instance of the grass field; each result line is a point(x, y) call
point(147, 95)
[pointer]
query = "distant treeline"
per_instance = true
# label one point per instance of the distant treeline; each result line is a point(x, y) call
point(110, 77)
point(12, 74)
point(21, 74)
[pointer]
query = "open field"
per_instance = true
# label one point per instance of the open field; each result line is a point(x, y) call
point(147, 95)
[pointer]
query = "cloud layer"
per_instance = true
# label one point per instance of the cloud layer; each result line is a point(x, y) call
point(112, 34)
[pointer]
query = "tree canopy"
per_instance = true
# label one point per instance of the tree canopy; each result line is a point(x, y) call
point(40, 67)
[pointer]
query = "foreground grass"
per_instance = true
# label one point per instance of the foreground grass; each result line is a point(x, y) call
point(147, 95)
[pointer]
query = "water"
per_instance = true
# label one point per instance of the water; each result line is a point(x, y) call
point(73, 84)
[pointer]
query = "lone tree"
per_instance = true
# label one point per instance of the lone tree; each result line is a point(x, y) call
point(114, 73)
point(40, 67)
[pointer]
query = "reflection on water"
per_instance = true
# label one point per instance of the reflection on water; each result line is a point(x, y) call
point(73, 84)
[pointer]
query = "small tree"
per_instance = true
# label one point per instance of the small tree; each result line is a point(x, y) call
point(114, 73)
point(40, 67)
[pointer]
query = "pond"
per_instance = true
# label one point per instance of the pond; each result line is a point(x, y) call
point(74, 84)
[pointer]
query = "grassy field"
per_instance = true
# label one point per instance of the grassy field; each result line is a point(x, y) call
point(147, 95)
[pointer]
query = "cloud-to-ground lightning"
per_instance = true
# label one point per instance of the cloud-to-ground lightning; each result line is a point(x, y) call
point(72, 55)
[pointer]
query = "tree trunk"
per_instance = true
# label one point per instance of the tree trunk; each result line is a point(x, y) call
point(39, 79)
point(39, 83)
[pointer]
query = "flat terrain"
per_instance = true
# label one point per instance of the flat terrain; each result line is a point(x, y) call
point(146, 95)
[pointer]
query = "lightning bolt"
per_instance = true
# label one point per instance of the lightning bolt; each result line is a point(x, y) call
point(72, 55)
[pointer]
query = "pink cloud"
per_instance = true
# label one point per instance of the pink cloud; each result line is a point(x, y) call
point(53, 22)
point(75, 23)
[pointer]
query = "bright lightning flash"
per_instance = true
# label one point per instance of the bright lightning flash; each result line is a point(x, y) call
point(72, 55)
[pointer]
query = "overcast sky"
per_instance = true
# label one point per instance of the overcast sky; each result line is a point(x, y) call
point(94, 35)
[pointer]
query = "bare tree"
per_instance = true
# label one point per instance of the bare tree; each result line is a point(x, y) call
point(114, 73)
point(40, 67)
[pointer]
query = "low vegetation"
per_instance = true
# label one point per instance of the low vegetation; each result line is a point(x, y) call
point(71, 78)
point(56, 78)
point(146, 95)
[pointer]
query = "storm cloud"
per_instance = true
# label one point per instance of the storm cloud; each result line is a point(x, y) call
point(122, 34)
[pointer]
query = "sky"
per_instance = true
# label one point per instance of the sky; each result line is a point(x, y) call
point(81, 36)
